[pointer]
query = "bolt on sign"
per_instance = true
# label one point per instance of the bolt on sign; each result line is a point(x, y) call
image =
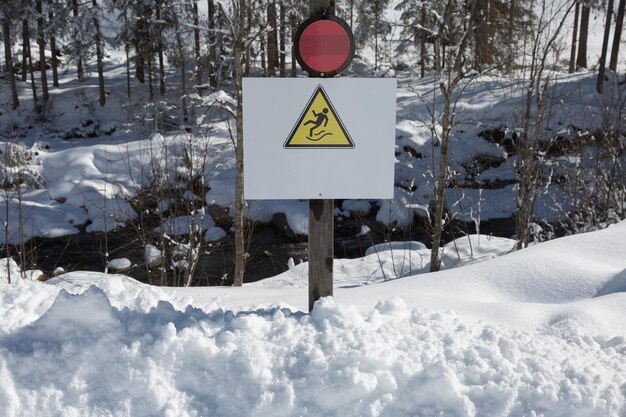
point(312, 138)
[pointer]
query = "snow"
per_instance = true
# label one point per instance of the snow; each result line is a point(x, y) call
point(364, 230)
point(394, 246)
point(119, 264)
point(296, 211)
point(198, 222)
point(529, 333)
point(41, 217)
point(475, 248)
point(400, 211)
point(152, 255)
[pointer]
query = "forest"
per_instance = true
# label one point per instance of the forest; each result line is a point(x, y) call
point(497, 100)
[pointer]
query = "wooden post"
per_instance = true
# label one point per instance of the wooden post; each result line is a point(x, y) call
point(321, 220)
point(321, 241)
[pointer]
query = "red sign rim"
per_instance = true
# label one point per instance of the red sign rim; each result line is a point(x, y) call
point(315, 72)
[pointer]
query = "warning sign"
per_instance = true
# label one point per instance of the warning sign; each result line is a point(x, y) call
point(319, 125)
point(287, 153)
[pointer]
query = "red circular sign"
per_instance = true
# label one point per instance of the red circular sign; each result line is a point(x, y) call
point(324, 46)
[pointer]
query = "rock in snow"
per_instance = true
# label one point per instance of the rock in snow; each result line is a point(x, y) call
point(119, 264)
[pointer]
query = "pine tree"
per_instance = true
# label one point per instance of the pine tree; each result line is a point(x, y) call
point(415, 21)
point(372, 25)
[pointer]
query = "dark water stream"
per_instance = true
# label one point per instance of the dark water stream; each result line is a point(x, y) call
point(269, 248)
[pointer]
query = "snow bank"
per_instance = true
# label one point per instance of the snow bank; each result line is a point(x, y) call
point(393, 260)
point(577, 281)
point(475, 248)
point(539, 332)
point(394, 361)
point(296, 213)
point(198, 222)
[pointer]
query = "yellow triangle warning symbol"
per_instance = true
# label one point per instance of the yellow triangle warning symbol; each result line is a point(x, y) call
point(319, 125)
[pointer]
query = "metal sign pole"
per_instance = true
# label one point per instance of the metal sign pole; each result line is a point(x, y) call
point(321, 220)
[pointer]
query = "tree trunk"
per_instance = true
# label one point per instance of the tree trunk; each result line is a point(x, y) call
point(150, 78)
point(6, 30)
point(581, 61)
point(572, 57)
point(196, 48)
point(351, 12)
point(54, 51)
point(272, 40)
point(79, 63)
point(139, 42)
point(294, 28)
point(183, 75)
point(140, 63)
point(605, 46)
point(448, 82)
point(25, 49)
point(283, 46)
point(481, 34)
point(263, 61)
point(160, 50)
point(213, 51)
point(240, 250)
point(617, 35)
point(376, 39)
point(423, 37)
point(511, 54)
point(442, 180)
point(127, 51)
point(99, 56)
point(29, 63)
point(33, 84)
point(248, 51)
point(491, 29)
point(42, 52)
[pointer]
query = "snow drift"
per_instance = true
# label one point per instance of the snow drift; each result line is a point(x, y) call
point(121, 348)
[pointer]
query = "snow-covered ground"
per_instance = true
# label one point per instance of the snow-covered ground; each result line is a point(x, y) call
point(539, 332)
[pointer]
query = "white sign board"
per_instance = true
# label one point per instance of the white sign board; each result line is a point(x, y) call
point(314, 138)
